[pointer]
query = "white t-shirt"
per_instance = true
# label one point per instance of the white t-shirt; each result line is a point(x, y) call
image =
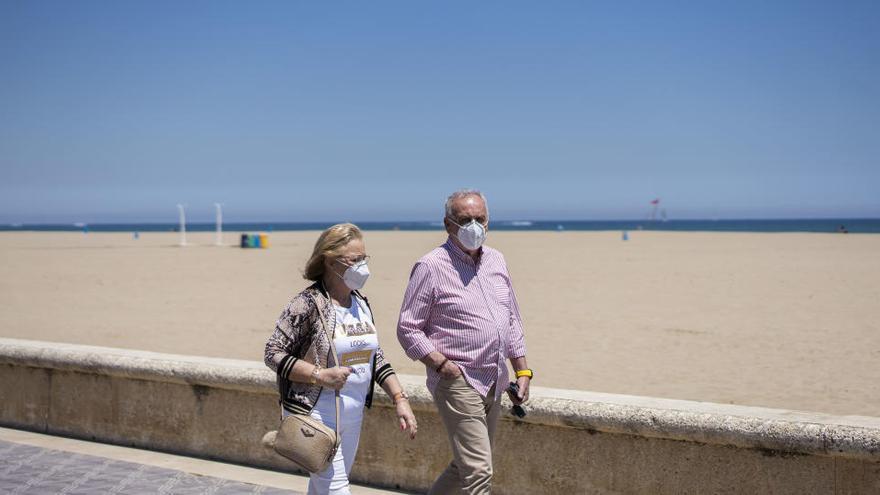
point(356, 343)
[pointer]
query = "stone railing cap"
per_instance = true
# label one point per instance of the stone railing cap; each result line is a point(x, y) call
point(703, 422)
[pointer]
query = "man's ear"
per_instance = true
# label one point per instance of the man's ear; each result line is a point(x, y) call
point(448, 225)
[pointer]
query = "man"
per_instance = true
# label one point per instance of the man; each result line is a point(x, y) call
point(460, 318)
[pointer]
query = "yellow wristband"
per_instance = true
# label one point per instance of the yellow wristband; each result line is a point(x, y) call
point(526, 372)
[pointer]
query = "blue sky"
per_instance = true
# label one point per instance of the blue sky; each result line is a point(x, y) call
point(297, 111)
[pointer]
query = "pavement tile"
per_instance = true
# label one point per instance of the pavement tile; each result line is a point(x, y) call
point(25, 469)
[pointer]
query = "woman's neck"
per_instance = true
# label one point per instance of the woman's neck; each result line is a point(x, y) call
point(339, 293)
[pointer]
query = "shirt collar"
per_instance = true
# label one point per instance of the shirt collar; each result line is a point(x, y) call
point(456, 251)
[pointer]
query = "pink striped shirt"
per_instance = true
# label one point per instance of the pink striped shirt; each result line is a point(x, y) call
point(467, 311)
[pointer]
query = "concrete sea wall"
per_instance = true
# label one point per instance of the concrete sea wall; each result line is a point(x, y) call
point(570, 442)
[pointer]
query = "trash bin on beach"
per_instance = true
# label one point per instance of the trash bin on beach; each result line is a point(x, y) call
point(257, 241)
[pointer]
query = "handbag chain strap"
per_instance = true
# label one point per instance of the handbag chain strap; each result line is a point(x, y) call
point(335, 358)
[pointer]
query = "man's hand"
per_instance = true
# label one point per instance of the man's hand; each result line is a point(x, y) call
point(519, 363)
point(450, 370)
point(334, 378)
point(523, 395)
point(441, 364)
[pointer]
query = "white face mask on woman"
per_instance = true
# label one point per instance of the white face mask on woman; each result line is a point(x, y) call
point(356, 275)
point(472, 235)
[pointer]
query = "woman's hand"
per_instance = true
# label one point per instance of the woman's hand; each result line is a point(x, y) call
point(406, 418)
point(334, 378)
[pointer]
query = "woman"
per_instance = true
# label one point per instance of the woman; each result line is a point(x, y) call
point(298, 351)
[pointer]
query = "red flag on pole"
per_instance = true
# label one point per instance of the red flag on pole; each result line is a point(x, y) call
point(656, 201)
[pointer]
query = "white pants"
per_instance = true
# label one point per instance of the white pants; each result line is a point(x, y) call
point(334, 479)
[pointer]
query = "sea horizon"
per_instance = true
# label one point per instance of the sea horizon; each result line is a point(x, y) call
point(818, 225)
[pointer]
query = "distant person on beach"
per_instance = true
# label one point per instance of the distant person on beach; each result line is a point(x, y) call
point(299, 347)
point(842, 229)
point(460, 318)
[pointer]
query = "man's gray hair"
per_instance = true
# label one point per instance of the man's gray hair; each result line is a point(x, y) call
point(463, 193)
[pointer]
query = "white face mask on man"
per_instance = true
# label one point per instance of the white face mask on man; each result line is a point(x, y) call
point(356, 275)
point(471, 235)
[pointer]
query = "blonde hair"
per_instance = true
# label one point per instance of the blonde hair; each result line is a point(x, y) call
point(330, 242)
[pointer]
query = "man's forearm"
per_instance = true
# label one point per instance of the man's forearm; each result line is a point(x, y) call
point(433, 359)
point(519, 363)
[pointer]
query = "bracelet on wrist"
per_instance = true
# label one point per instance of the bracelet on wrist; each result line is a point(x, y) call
point(446, 360)
point(525, 372)
point(314, 377)
point(399, 396)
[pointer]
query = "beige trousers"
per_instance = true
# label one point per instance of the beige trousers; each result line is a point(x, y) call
point(470, 421)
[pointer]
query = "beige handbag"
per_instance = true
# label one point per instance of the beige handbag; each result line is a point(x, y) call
point(306, 441)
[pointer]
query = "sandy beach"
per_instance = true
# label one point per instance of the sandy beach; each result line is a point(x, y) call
point(778, 320)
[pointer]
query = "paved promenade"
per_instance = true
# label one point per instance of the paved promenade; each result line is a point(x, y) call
point(32, 463)
point(26, 469)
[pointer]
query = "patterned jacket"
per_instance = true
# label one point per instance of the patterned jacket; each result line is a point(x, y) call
point(299, 334)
